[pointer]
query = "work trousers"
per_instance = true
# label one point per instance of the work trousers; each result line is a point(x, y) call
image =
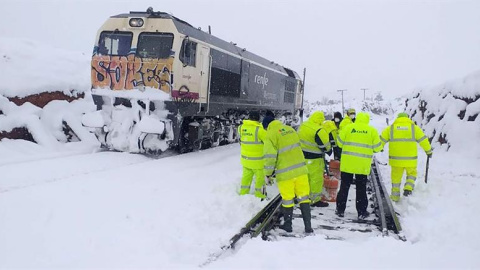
point(315, 178)
point(295, 187)
point(361, 196)
point(397, 174)
point(247, 178)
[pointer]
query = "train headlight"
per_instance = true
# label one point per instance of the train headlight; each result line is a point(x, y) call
point(135, 22)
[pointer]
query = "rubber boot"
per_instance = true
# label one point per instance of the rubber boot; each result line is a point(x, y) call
point(287, 217)
point(307, 217)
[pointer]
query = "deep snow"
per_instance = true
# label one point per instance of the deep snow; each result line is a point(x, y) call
point(71, 206)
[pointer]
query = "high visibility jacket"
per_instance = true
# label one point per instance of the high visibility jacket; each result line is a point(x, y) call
point(358, 142)
point(313, 138)
point(282, 152)
point(345, 122)
point(403, 136)
point(252, 136)
point(332, 131)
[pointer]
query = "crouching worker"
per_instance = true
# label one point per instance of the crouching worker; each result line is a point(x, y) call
point(284, 157)
point(252, 136)
point(315, 142)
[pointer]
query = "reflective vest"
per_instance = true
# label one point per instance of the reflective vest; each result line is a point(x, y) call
point(403, 136)
point(252, 136)
point(358, 142)
point(282, 152)
point(313, 137)
point(345, 122)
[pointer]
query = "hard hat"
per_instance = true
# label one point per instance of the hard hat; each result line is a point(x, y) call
point(403, 114)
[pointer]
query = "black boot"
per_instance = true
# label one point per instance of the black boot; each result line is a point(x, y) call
point(287, 217)
point(320, 204)
point(307, 217)
point(407, 193)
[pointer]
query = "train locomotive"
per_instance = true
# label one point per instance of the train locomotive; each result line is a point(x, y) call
point(160, 83)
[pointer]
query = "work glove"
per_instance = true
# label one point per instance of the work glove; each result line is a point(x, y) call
point(269, 180)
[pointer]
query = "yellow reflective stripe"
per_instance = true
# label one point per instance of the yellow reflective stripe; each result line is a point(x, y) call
point(340, 140)
point(293, 167)
point(396, 193)
point(287, 148)
point(288, 202)
point(245, 187)
point(410, 184)
point(251, 142)
point(258, 189)
point(252, 158)
point(413, 132)
point(402, 158)
point(301, 199)
point(384, 140)
point(356, 154)
point(396, 185)
point(269, 167)
point(270, 156)
point(402, 140)
point(256, 134)
point(421, 139)
point(363, 145)
point(314, 196)
point(309, 143)
point(411, 178)
point(376, 145)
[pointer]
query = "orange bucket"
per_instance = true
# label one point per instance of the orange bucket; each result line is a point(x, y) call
point(334, 168)
point(330, 183)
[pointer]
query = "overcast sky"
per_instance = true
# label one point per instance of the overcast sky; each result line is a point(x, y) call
point(388, 46)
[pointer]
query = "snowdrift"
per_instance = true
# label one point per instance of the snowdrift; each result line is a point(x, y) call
point(449, 114)
point(42, 93)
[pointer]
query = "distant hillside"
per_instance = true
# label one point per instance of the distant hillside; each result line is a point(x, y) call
point(375, 105)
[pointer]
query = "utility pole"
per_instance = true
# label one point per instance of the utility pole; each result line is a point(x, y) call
point(364, 89)
point(343, 108)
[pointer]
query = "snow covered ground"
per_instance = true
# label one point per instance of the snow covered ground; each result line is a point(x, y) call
point(73, 206)
point(112, 210)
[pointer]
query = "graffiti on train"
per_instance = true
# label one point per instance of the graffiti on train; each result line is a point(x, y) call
point(129, 72)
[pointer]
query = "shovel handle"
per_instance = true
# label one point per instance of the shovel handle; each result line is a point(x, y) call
point(426, 169)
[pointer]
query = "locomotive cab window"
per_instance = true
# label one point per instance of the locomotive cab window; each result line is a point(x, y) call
point(154, 45)
point(115, 43)
point(188, 53)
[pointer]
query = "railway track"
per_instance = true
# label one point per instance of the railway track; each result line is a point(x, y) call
point(382, 222)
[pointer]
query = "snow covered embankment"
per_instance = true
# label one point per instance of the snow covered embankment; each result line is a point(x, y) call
point(33, 76)
point(449, 114)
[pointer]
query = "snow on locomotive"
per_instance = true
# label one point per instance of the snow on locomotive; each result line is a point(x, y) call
point(160, 83)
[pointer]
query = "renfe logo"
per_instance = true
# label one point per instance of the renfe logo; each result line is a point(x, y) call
point(262, 80)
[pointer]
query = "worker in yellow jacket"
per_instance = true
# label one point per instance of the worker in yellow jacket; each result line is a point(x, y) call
point(349, 119)
point(403, 136)
point(315, 142)
point(284, 158)
point(332, 131)
point(358, 142)
point(252, 136)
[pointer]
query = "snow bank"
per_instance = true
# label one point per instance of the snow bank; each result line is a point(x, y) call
point(29, 67)
point(449, 114)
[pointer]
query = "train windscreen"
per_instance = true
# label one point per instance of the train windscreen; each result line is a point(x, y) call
point(115, 43)
point(155, 45)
